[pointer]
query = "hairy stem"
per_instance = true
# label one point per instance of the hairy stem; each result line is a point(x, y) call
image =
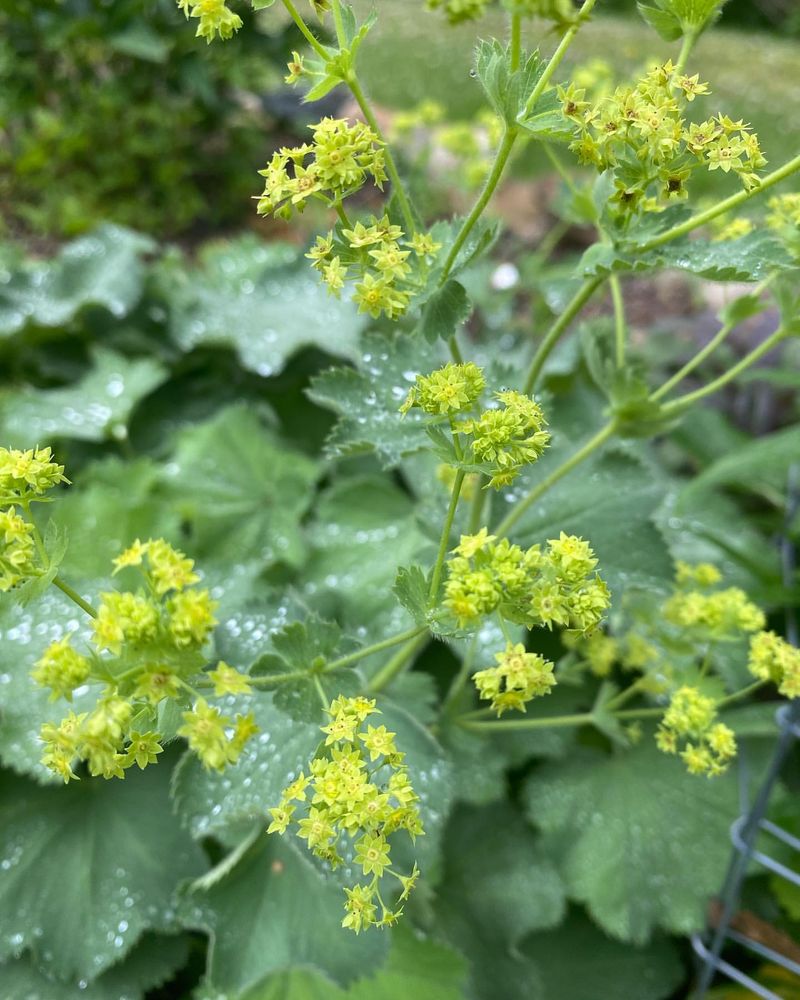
point(743, 693)
point(376, 647)
point(516, 40)
point(581, 455)
point(620, 327)
point(74, 596)
point(391, 166)
point(749, 359)
point(553, 335)
point(445, 539)
point(399, 662)
point(315, 44)
point(710, 347)
point(500, 160)
point(557, 56)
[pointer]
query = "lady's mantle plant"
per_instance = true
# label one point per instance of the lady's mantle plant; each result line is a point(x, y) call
point(151, 655)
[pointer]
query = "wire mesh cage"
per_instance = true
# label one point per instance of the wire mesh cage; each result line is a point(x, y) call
point(751, 823)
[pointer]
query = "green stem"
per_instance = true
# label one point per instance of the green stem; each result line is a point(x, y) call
point(749, 359)
point(265, 680)
point(560, 169)
point(640, 713)
point(500, 160)
point(516, 40)
point(337, 20)
point(306, 31)
point(476, 507)
point(553, 335)
point(497, 725)
point(376, 647)
point(619, 319)
point(580, 456)
point(74, 596)
point(557, 56)
point(463, 674)
point(323, 697)
point(391, 167)
point(690, 365)
point(343, 218)
point(624, 696)
point(445, 539)
point(789, 168)
point(738, 695)
point(397, 664)
point(710, 347)
point(686, 49)
point(455, 351)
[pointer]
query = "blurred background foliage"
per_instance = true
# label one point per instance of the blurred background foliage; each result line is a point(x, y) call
point(112, 110)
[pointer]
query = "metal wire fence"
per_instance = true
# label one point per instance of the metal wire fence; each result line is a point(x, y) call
point(752, 822)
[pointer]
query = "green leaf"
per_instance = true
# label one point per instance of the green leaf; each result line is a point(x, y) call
point(666, 24)
point(303, 647)
point(507, 89)
point(96, 408)
point(444, 312)
point(411, 589)
point(750, 258)
point(153, 960)
point(547, 121)
point(24, 705)
point(102, 269)
point(611, 503)
point(292, 915)
point(363, 529)
point(639, 837)
point(708, 526)
point(116, 855)
point(263, 301)
point(115, 503)
point(240, 490)
point(140, 41)
point(416, 967)
point(497, 888)
point(209, 802)
point(760, 466)
point(368, 399)
point(575, 958)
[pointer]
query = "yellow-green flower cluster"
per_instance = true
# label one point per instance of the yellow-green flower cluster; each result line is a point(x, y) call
point(709, 745)
point(354, 798)
point(447, 391)
point(784, 219)
point(27, 475)
point(335, 164)
point(207, 730)
point(640, 132)
point(376, 257)
point(718, 615)
point(25, 478)
point(598, 650)
point(18, 557)
point(457, 11)
point(774, 659)
point(555, 585)
point(518, 677)
point(147, 645)
point(509, 437)
point(214, 16)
